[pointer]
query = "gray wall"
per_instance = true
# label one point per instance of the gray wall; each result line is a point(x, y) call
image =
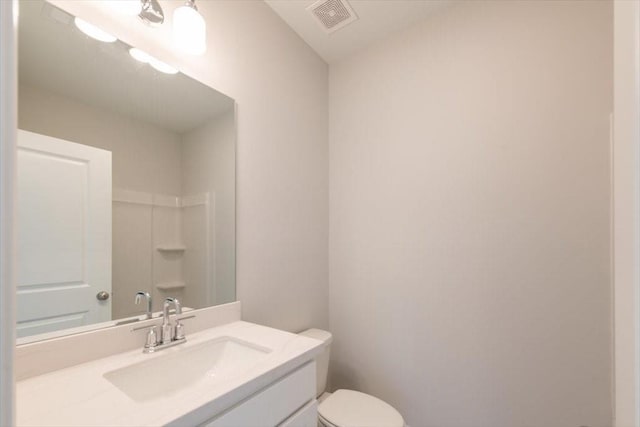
point(469, 217)
point(281, 87)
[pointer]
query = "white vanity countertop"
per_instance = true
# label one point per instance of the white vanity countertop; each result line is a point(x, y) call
point(81, 396)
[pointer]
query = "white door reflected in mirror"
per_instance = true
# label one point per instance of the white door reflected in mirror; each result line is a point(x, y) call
point(64, 234)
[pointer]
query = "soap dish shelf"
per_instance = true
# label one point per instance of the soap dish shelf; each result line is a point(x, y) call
point(170, 286)
point(169, 248)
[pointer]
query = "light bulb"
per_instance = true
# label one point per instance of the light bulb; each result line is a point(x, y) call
point(189, 30)
point(140, 55)
point(161, 66)
point(127, 7)
point(144, 57)
point(93, 31)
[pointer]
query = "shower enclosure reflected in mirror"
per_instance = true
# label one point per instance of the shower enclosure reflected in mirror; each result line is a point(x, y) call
point(126, 182)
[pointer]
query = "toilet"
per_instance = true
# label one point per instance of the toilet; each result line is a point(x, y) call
point(347, 408)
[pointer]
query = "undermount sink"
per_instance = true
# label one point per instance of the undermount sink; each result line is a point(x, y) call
point(166, 374)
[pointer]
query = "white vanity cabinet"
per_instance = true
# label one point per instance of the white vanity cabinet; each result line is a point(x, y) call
point(307, 416)
point(238, 374)
point(289, 401)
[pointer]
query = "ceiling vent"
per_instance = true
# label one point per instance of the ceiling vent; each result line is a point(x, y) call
point(332, 14)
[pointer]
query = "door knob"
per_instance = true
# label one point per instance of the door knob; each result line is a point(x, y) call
point(102, 295)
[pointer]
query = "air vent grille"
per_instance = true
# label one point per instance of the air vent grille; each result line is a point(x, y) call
point(332, 14)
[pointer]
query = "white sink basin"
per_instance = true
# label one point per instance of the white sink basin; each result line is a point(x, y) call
point(182, 366)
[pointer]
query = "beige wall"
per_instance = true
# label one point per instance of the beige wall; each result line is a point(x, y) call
point(469, 217)
point(145, 157)
point(280, 86)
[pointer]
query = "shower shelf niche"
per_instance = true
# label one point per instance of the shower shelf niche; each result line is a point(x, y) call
point(171, 248)
point(170, 286)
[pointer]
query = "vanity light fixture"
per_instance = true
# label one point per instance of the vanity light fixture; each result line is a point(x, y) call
point(145, 58)
point(151, 12)
point(93, 31)
point(189, 29)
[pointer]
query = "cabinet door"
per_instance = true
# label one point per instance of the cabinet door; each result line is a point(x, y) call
point(307, 416)
point(274, 404)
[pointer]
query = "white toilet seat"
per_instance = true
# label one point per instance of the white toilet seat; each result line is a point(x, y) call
point(349, 408)
point(323, 422)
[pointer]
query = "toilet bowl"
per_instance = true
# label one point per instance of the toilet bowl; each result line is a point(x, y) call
point(347, 408)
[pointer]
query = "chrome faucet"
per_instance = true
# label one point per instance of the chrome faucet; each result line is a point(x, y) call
point(146, 295)
point(168, 332)
point(170, 335)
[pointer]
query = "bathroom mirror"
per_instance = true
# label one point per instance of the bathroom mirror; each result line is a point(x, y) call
point(126, 182)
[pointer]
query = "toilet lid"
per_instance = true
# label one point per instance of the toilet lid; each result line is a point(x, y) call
point(349, 408)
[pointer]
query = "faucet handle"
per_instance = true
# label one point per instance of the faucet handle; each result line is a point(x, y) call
point(178, 331)
point(152, 341)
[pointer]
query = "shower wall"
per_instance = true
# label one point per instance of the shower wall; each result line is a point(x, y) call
point(161, 246)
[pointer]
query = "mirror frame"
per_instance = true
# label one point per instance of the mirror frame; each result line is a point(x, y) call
point(8, 130)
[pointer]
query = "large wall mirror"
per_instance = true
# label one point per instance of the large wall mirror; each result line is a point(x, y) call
point(126, 182)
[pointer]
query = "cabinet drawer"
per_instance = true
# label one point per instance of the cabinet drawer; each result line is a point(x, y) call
point(274, 404)
point(307, 416)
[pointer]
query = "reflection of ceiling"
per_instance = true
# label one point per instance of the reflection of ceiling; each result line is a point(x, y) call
point(376, 19)
point(57, 57)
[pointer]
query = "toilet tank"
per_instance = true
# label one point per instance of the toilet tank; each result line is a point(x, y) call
point(322, 360)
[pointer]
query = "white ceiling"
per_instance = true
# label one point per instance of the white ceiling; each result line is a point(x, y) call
point(377, 19)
